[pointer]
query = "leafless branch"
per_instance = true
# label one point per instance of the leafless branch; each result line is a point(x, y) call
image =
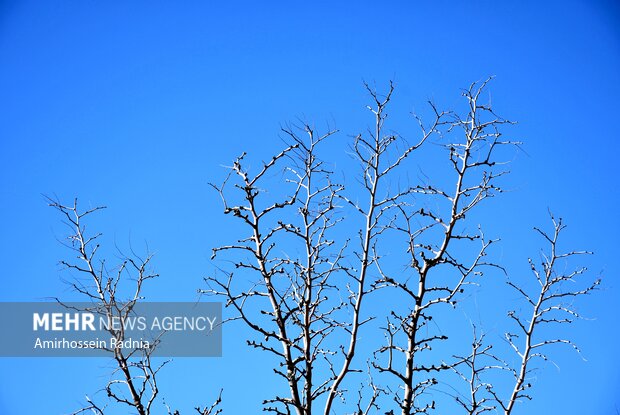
point(551, 303)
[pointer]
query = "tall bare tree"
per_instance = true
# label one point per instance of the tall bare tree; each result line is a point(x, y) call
point(313, 251)
point(431, 225)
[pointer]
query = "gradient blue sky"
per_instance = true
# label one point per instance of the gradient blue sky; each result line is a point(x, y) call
point(136, 105)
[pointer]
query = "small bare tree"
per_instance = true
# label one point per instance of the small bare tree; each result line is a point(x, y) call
point(306, 265)
point(113, 292)
point(552, 303)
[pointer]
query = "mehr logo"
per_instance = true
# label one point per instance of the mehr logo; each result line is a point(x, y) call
point(63, 321)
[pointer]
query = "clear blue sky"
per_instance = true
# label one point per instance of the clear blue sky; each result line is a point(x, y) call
point(136, 105)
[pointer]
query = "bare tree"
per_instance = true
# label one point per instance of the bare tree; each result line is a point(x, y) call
point(552, 303)
point(431, 235)
point(296, 310)
point(307, 266)
point(114, 292)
